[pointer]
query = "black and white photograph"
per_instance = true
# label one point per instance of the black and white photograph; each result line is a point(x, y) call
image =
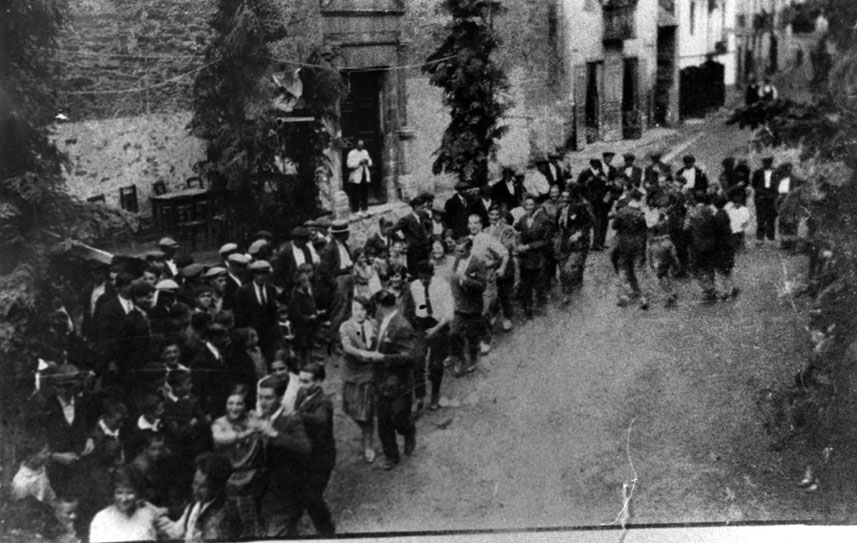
point(427, 270)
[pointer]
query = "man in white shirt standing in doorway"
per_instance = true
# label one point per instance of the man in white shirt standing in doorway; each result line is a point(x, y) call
point(359, 163)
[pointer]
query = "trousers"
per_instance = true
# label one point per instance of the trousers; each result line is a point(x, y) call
point(394, 417)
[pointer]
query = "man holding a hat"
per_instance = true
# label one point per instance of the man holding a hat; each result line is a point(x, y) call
point(335, 282)
point(256, 307)
point(169, 246)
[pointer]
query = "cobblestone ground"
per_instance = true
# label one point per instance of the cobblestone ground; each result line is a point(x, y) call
point(539, 436)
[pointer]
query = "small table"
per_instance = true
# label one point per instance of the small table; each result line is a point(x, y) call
point(165, 207)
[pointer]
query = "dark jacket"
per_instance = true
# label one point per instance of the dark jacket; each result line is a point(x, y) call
point(262, 318)
point(287, 455)
point(285, 267)
point(137, 347)
point(377, 244)
point(701, 180)
point(636, 176)
point(328, 269)
point(468, 293)
point(502, 196)
point(414, 232)
point(456, 213)
point(302, 313)
point(394, 375)
point(316, 412)
point(762, 194)
point(59, 435)
point(220, 521)
point(536, 237)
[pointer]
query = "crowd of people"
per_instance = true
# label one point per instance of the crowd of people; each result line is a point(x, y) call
point(189, 403)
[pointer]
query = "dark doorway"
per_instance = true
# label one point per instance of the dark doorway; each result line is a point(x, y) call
point(593, 101)
point(665, 75)
point(631, 118)
point(361, 120)
point(775, 55)
point(701, 89)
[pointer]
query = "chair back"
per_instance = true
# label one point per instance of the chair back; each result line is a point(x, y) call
point(159, 188)
point(97, 199)
point(128, 198)
point(195, 182)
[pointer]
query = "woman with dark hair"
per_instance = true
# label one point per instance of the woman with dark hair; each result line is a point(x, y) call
point(236, 438)
point(130, 518)
point(358, 390)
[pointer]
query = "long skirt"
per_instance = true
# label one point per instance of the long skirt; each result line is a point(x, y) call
point(358, 400)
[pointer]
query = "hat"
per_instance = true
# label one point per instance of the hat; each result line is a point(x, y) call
point(656, 155)
point(311, 223)
point(184, 260)
point(169, 243)
point(485, 189)
point(608, 153)
point(202, 289)
point(228, 248)
point(239, 258)
point(192, 270)
point(216, 271)
point(155, 255)
point(461, 185)
point(339, 227)
point(688, 159)
point(166, 284)
point(427, 196)
point(323, 222)
point(629, 156)
point(768, 160)
point(300, 232)
point(260, 266)
point(256, 246)
point(140, 289)
point(507, 169)
point(67, 374)
point(263, 234)
point(416, 201)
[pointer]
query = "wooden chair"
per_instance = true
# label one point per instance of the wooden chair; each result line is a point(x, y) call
point(159, 188)
point(128, 198)
point(98, 199)
point(193, 220)
point(191, 181)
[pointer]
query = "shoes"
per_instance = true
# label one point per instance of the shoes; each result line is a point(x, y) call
point(484, 347)
point(369, 455)
point(644, 304)
point(566, 300)
point(457, 370)
point(734, 292)
point(390, 464)
point(507, 325)
point(410, 445)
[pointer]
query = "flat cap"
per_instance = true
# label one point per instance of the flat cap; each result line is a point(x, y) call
point(260, 266)
point(263, 234)
point(461, 185)
point(214, 272)
point(155, 255)
point(239, 258)
point(202, 289)
point(256, 246)
point(228, 248)
point(416, 201)
point(184, 260)
point(426, 196)
point(192, 270)
point(629, 156)
point(168, 242)
point(167, 284)
point(300, 232)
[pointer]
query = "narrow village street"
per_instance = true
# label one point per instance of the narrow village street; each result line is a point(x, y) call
point(545, 432)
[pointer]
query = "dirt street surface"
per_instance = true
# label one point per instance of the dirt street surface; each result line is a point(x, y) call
point(539, 436)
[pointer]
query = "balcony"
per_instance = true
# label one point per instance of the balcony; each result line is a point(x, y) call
point(619, 20)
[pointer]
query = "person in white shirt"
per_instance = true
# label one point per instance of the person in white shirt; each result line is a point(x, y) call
point(739, 219)
point(130, 518)
point(359, 176)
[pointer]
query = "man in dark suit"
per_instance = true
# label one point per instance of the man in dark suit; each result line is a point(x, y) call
point(629, 171)
point(287, 451)
point(656, 169)
point(89, 297)
point(137, 345)
point(534, 232)
point(110, 311)
point(765, 196)
point(457, 210)
point(704, 244)
point(335, 283)
point(256, 307)
point(380, 241)
point(316, 412)
point(695, 180)
point(594, 182)
point(209, 369)
point(394, 359)
point(412, 228)
point(507, 192)
point(236, 267)
point(169, 247)
point(470, 277)
point(483, 203)
point(556, 173)
point(293, 254)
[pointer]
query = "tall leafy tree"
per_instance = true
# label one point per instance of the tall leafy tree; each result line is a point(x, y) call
point(472, 82)
point(247, 137)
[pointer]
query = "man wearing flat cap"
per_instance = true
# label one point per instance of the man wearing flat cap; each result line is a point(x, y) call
point(191, 276)
point(256, 307)
point(236, 268)
point(220, 299)
point(226, 250)
point(335, 284)
point(412, 227)
point(457, 209)
point(295, 252)
point(169, 246)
